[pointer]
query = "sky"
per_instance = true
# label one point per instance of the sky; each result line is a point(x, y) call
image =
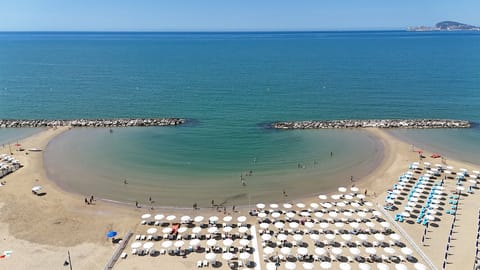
point(228, 15)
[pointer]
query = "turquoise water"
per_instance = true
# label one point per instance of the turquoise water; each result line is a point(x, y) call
point(13, 136)
point(229, 84)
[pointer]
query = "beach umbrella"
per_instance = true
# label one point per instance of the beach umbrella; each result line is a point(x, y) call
point(213, 219)
point(370, 250)
point(346, 237)
point(379, 236)
point(322, 197)
point(324, 225)
point(185, 219)
point(320, 251)
point(307, 265)
point(227, 218)
point(333, 214)
point(354, 189)
point(167, 244)
point(268, 250)
point(369, 204)
point(111, 234)
point(179, 244)
point(198, 219)
point(348, 197)
point(290, 265)
point(159, 217)
point(182, 229)
point(339, 224)
point(287, 205)
point(282, 237)
point(144, 216)
point(330, 236)
point(241, 219)
point(196, 230)
point(260, 205)
point(271, 266)
point(354, 225)
point(361, 196)
point(335, 196)
point(148, 245)
point(361, 214)
point(262, 215)
point(370, 224)
point(212, 230)
point(300, 205)
point(275, 215)
point(344, 266)
point(364, 266)
point(314, 237)
point(244, 255)
point(279, 225)
point(286, 250)
point(341, 204)
point(382, 266)
point(419, 266)
point(290, 214)
point(264, 225)
point(152, 230)
point(167, 230)
point(355, 251)
point(314, 205)
point(297, 237)
point(401, 267)
point(336, 251)
point(194, 242)
point(395, 236)
point(136, 245)
point(460, 188)
point(243, 229)
point(362, 237)
point(274, 206)
point(405, 214)
point(309, 224)
point(227, 229)
point(266, 237)
point(302, 251)
point(305, 213)
point(244, 242)
point(406, 251)
point(227, 256)
point(171, 217)
point(327, 205)
point(342, 189)
point(210, 256)
point(227, 242)
point(211, 242)
point(347, 213)
point(293, 225)
point(408, 208)
point(326, 265)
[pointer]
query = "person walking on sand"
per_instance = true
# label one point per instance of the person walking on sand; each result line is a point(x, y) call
point(86, 201)
point(136, 204)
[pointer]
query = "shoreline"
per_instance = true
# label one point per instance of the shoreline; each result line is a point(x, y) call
point(59, 213)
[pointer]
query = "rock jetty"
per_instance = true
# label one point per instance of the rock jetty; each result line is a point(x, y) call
point(120, 122)
point(374, 123)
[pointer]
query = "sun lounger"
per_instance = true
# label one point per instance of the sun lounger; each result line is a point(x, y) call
point(134, 251)
point(123, 255)
point(199, 264)
point(205, 263)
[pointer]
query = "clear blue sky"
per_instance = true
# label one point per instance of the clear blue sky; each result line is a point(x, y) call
point(179, 15)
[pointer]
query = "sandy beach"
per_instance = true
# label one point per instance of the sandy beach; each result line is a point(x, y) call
point(40, 230)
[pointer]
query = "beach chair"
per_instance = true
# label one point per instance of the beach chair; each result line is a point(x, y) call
point(143, 237)
point(123, 255)
point(137, 237)
point(163, 251)
point(150, 237)
point(205, 263)
point(134, 251)
point(199, 264)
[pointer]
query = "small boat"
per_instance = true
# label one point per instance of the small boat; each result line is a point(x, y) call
point(35, 150)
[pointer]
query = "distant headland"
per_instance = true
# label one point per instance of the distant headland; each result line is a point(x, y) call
point(445, 26)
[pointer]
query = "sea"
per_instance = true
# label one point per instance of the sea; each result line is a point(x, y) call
point(230, 86)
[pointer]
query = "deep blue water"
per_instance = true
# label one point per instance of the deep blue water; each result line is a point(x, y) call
point(229, 83)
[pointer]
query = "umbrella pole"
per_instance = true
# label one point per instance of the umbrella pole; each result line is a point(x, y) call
point(69, 260)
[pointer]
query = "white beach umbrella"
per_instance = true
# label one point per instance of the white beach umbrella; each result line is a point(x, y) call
point(293, 225)
point(307, 265)
point(227, 256)
point(354, 189)
point(346, 237)
point(282, 237)
point(355, 204)
point(279, 225)
point(290, 214)
point(286, 250)
point(344, 266)
point(264, 225)
point(210, 256)
point(227, 218)
point(460, 188)
point(242, 229)
point(330, 236)
point(361, 196)
point(327, 205)
point(362, 237)
point(211, 242)
point(260, 205)
point(227, 229)
point(212, 230)
point(179, 244)
point(198, 219)
point(297, 237)
point(314, 205)
point(354, 225)
point(171, 217)
point(370, 250)
point(268, 250)
point(364, 266)
point(185, 219)
point(271, 266)
point(314, 237)
point(379, 236)
point(241, 219)
point(244, 242)
point(244, 255)
point(323, 225)
point(300, 205)
point(167, 244)
point(309, 224)
point(355, 251)
point(339, 224)
point(287, 205)
point(290, 266)
point(369, 204)
point(347, 213)
point(275, 215)
point(370, 224)
point(382, 266)
point(302, 251)
point(342, 189)
point(167, 230)
point(227, 242)
point(320, 251)
point(262, 215)
point(266, 237)
point(159, 217)
point(274, 206)
point(213, 219)
point(136, 245)
point(336, 251)
point(336, 196)
point(419, 266)
point(389, 250)
point(395, 236)
point(361, 214)
point(406, 251)
point(405, 214)
point(194, 242)
point(196, 230)
point(182, 229)
point(148, 245)
point(146, 216)
point(326, 265)
point(401, 267)
point(322, 197)
point(152, 230)
point(333, 214)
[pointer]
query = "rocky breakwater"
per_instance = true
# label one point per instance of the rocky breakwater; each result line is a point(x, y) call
point(120, 122)
point(375, 123)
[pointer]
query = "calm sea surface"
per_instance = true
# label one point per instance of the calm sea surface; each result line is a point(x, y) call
point(229, 84)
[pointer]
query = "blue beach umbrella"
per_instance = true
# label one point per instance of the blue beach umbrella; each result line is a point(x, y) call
point(111, 234)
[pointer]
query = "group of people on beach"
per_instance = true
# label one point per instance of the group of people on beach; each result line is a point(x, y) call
point(90, 200)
